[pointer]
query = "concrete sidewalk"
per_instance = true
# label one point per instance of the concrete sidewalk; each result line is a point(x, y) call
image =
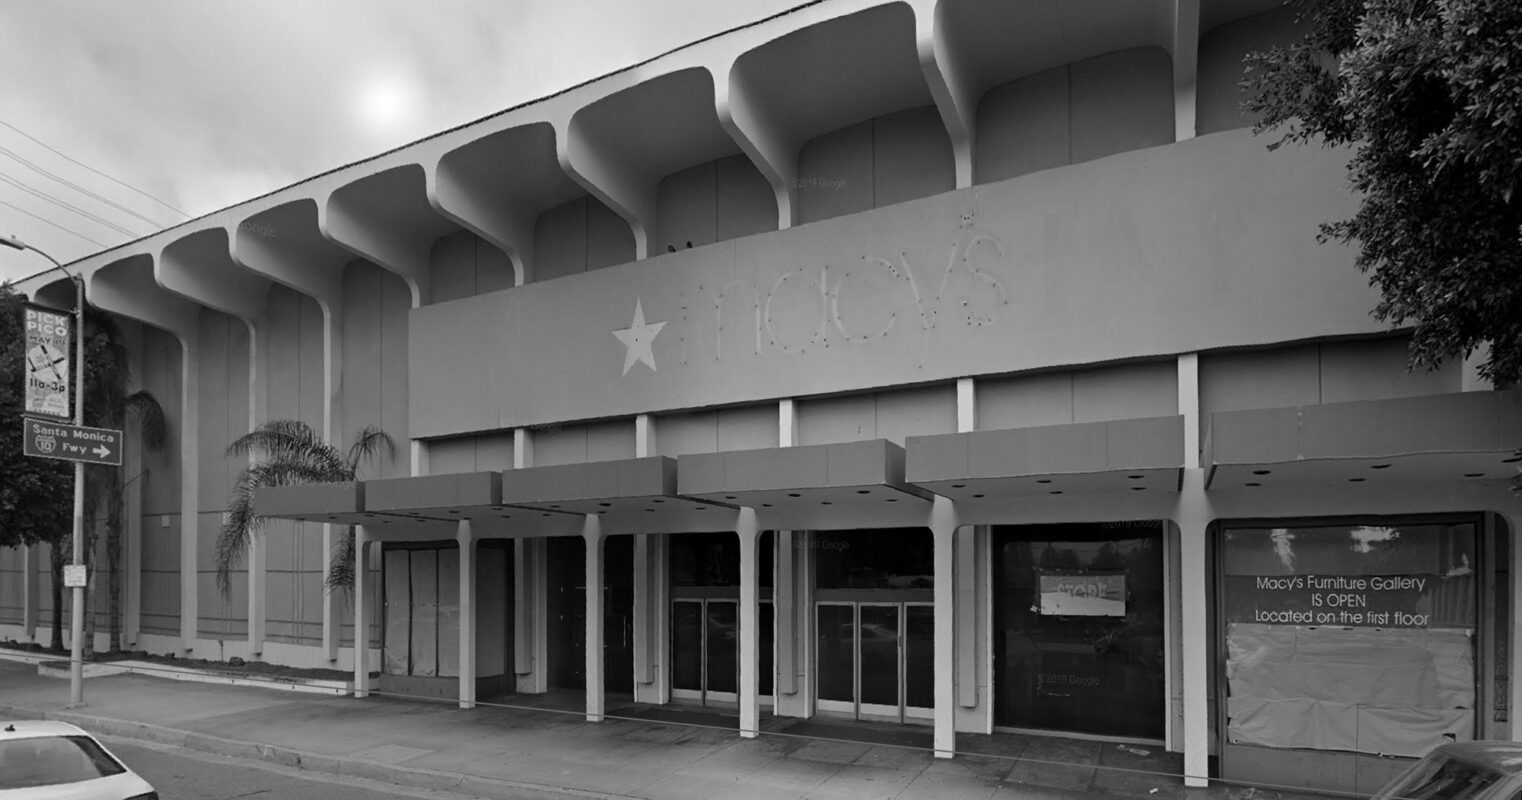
point(531, 753)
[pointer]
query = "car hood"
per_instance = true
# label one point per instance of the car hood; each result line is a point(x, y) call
point(112, 787)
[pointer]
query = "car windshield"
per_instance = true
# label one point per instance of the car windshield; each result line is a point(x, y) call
point(52, 760)
point(1441, 777)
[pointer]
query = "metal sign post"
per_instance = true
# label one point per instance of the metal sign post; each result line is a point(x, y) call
point(47, 393)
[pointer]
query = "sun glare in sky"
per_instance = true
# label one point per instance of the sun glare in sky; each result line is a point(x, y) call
point(386, 104)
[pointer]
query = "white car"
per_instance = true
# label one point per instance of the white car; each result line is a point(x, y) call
point(1461, 771)
point(57, 761)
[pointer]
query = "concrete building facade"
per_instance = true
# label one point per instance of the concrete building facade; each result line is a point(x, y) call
point(957, 363)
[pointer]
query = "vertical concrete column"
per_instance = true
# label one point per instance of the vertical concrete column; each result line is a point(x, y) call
point(29, 590)
point(750, 623)
point(943, 526)
point(644, 594)
point(1192, 517)
point(644, 436)
point(967, 405)
point(258, 561)
point(591, 532)
point(1186, 56)
point(644, 647)
point(258, 591)
point(789, 698)
point(190, 490)
point(966, 551)
point(332, 366)
point(1470, 379)
point(787, 423)
point(1514, 522)
point(528, 607)
point(467, 541)
point(361, 618)
point(785, 611)
point(804, 620)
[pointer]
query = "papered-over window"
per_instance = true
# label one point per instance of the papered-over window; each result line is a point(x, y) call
point(1355, 638)
point(422, 598)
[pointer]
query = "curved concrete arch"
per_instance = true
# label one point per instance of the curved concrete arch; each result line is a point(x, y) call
point(626, 142)
point(58, 293)
point(375, 217)
point(126, 287)
point(601, 183)
point(954, 97)
point(199, 268)
point(736, 109)
point(285, 245)
point(816, 79)
point(992, 43)
point(497, 185)
point(449, 197)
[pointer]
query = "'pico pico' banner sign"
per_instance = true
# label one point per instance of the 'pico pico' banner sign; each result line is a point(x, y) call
point(47, 362)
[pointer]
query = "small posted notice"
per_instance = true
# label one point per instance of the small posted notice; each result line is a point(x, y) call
point(75, 575)
point(1083, 595)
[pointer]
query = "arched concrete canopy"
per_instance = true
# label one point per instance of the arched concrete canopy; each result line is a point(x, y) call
point(499, 184)
point(387, 218)
point(991, 42)
point(622, 145)
point(285, 245)
point(58, 293)
point(199, 268)
point(820, 79)
point(1215, 13)
point(126, 287)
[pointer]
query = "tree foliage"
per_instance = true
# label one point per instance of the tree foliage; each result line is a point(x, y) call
point(1427, 94)
point(35, 493)
point(284, 453)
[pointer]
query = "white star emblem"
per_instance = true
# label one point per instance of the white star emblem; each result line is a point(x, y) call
point(637, 338)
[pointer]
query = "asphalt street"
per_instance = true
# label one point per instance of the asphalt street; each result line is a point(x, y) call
point(180, 774)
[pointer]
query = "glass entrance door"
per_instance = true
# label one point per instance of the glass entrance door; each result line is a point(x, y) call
point(875, 660)
point(705, 650)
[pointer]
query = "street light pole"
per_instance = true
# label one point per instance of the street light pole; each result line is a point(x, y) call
point(77, 620)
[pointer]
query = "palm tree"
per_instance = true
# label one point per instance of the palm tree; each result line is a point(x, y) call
point(288, 452)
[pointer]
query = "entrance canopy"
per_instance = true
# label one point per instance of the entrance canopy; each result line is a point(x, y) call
point(534, 501)
point(1133, 455)
point(826, 474)
point(1467, 436)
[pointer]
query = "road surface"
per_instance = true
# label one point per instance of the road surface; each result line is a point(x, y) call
point(180, 774)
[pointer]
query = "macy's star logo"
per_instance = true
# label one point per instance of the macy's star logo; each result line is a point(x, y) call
point(637, 339)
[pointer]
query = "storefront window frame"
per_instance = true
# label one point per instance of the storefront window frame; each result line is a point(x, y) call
point(1217, 684)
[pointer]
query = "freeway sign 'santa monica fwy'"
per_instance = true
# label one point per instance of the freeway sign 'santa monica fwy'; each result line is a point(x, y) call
point(45, 439)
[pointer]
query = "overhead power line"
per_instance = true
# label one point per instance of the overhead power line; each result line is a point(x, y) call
point(63, 228)
point(41, 195)
point(76, 187)
point(71, 160)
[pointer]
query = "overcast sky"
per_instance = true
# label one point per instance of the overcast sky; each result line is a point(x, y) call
point(204, 103)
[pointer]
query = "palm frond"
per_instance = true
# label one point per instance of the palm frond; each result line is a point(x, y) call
point(242, 521)
point(369, 442)
point(341, 568)
point(292, 440)
point(144, 408)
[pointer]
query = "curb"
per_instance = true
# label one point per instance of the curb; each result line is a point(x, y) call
point(410, 777)
point(51, 667)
